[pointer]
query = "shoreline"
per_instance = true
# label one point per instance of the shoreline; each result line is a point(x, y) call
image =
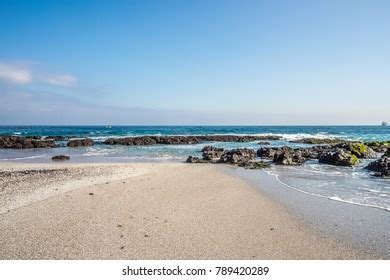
point(365, 227)
point(168, 211)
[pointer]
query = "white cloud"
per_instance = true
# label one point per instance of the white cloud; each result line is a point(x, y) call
point(15, 74)
point(59, 80)
point(23, 75)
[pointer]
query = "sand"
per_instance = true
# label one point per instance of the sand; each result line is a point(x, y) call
point(148, 211)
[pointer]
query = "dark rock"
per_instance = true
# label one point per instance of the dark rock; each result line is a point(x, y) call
point(264, 143)
point(14, 142)
point(254, 164)
point(289, 158)
point(80, 142)
point(56, 138)
point(387, 153)
point(212, 153)
point(180, 140)
point(380, 166)
point(60, 157)
point(34, 137)
point(192, 159)
point(237, 156)
point(338, 157)
point(358, 149)
point(318, 141)
point(269, 137)
point(378, 146)
point(269, 152)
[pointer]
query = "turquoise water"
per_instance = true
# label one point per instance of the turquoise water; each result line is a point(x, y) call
point(352, 132)
point(352, 185)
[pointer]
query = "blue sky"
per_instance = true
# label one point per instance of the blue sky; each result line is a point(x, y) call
point(194, 62)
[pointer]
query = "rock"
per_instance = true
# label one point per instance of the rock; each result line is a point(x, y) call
point(339, 157)
point(269, 152)
point(387, 153)
point(378, 146)
point(237, 156)
point(269, 137)
point(56, 138)
point(80, 142)
point(254, 164)
point(264, 143)
point(60, 158)
point(192, 159)
point(318, 141)
point(358, 149)
point(212, 153)
point(14, 142)
point(380, 166)
point(289, 158)
point(176, 140)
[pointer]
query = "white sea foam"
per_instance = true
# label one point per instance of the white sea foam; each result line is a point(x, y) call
point(23, 158)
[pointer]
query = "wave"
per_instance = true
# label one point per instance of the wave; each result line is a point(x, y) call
point(22, 158)
point(334, 198)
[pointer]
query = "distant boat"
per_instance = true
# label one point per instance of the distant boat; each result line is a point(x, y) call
point(385, 124)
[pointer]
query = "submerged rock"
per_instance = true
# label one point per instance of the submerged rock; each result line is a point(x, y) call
point(80, 142)
point(264, 143)
point(338, 157)
point(60, 158)
point(31, 142)
point(380, 166)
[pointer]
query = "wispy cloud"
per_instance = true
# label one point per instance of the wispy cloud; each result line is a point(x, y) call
point(59, 80)
point(15, 74)
point(23, 75)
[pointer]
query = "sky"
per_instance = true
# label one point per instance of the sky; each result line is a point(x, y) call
point(194, 62)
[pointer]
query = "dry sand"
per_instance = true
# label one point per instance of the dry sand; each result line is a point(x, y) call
point(148, 211)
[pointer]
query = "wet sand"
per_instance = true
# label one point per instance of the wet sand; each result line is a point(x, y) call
point(149, 211)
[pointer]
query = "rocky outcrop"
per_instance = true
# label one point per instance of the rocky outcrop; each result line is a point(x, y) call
point(14, 142)
point(264, 143)
point(192, 159)
point(57, 138)
point(378, 146)
point(338, 157)
point(308, 153)
point(358, 149)
point(60, 158)
point(269, 137)
point(212, 153)
point(380, 166)
point(269, 152)
point(289, 158)
point(237, 156)
point(318, 141)
point(80, 142)
point(387, 153)
point(254, 164)
point(179, 140)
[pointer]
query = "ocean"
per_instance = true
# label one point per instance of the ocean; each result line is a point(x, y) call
point(351, 185)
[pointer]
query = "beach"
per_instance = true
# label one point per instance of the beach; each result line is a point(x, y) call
point(150, 211)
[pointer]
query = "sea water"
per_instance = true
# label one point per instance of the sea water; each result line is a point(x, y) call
point(353, 185)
